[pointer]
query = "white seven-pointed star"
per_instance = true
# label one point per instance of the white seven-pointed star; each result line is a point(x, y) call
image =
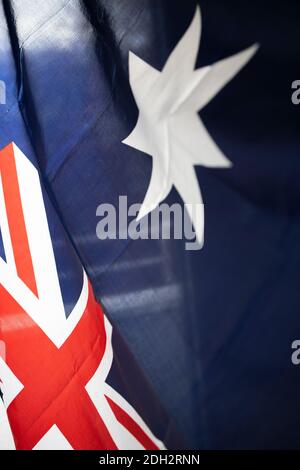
point(169, 127)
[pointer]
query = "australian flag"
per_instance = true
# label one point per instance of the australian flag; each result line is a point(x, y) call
point(137, 342)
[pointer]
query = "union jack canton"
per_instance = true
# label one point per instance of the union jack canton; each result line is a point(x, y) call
point(55, 352)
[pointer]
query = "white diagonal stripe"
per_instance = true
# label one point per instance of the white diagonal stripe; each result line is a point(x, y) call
point(9, 254)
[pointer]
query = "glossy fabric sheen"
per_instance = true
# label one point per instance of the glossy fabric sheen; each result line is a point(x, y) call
point(210, 331)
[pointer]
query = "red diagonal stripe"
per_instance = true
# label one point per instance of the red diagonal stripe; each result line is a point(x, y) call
point(15, 218)
point(131, 425)
point(54, 379)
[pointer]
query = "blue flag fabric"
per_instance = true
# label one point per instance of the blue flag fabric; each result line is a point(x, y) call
point(209, 331)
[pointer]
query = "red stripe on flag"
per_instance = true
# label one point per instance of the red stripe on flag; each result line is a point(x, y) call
point(131, 425)
point(54, 379)
point(15, 218)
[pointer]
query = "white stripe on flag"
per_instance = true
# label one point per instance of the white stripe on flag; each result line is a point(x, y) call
point(6, 438)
